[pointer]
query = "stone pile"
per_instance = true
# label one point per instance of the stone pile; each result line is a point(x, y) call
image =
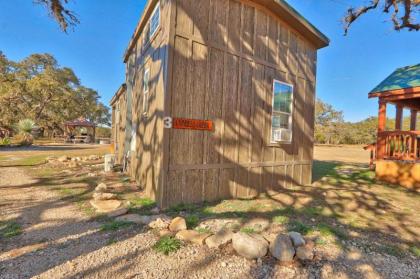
point(284, 247)
point(105, 202)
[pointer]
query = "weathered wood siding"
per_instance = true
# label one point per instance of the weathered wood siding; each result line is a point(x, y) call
point(118, 126)
point(226, 54)
point(146, 160)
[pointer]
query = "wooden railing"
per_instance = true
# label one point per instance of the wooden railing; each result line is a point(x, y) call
point(398, 145)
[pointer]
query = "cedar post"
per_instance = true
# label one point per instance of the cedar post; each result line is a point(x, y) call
point(413, 120)
point(381, 141)
point(399, 118)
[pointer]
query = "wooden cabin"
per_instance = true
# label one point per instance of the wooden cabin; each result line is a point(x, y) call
point(398, 152)
point(119, 108)
point(220, 99)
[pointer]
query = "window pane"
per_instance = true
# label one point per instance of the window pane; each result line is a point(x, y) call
point(280, 121)
point(154, 21)
point(282, 97)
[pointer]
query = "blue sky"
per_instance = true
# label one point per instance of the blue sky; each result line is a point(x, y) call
point(347, 70)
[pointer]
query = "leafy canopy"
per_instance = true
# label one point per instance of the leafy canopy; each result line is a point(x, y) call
point(38, 88)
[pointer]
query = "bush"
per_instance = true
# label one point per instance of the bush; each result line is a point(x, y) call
point(167, 244)
point(25, 128)
point(5, 141)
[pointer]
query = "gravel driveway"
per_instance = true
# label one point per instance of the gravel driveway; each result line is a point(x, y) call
point(58, 241)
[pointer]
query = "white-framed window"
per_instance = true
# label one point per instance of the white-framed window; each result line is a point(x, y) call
point(146, 77)
point(154, 20)
point(281, 119)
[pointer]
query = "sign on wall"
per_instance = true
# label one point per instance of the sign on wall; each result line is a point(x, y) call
point(190, 124)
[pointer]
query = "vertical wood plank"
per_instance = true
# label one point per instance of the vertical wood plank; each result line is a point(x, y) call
point(258, 114)
point(226, 183)
point(218, 25)
point(234, 26)
point(193, 187)
point(215, 101)
point(230, 99)
point(196, 103)
point(211, 184)
point(245, 99)
point(179, 138)
point(261, 35)
point(248, 30)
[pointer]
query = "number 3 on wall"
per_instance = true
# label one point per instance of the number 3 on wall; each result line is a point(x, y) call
point(167, 122)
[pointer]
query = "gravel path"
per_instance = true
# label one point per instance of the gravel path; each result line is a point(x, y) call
point(60, 242)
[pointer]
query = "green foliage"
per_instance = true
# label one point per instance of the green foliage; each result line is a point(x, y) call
point(299, 227)
point(5, 141)
point(39, 89)
point(167, 244)
point(10, 229)
point(25, 126)
point(330, 128)
point(192, 221)
point(280, 219)
point(114, 225)
point(327, 230)
point(415, 250)
point(248, 230)
point(103, 132)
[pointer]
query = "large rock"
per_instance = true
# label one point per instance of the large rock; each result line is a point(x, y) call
point(192, 236)
point(98, 196)
point(177, 224)
point(250, 246)
point(305, 252)
point(106, 206)
point(221, 237)
point(101, 187)
point(282, 248)
point(159, 222)
point(297, 239)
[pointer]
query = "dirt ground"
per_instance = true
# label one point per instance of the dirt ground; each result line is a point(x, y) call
point(342, 153)
point(362, 228)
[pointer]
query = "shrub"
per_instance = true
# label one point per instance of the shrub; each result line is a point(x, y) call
point(192, 221)
point(10, 229)
point(167, 244)
point(5, 141)
point(25, 128)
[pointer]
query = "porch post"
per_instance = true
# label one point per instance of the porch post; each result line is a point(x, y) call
point(413, 120)
point(381, 142)
point(398, 118)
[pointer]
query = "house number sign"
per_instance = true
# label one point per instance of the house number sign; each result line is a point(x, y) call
point(186, 123)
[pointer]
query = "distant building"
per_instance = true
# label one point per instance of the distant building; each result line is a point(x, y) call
point(219, 99)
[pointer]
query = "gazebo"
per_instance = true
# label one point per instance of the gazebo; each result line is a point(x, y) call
point(79, 130)
point(398, 152)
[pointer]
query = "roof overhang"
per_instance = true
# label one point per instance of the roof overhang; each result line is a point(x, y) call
point(397, 94)
point(117, 95)
point(279, 7)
